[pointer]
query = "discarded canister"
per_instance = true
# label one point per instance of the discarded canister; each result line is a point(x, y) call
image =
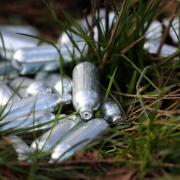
point(23, 29)
point(112, 111)
point(30, 60)
point(20, 85)
point(166, 50)
point(7, 70)
point(26, 58)
point(51, 138)
point(13, 41)
point(41, 102)
point(22, 149)
point(154, 31)
point(29, 87)
point(86, 89)
point(80, 136)
point(61, 84)
point(174, 29)
point(7, 96)
point(37, 87)
point(34, 121)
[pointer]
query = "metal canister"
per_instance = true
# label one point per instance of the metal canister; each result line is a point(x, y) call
point(20, 85)
point(22, 149)
point(26, 59)
point(46, 57)
point(174, 29)
point(7, 95)
point(14, 41)
point(166, 50)
point(7, 70)
point(51, 138)
point(29, 87)
point(112, 111)
point(36, 88)
point(41, 102)
point(34, 121)
point(86, 89)
point(60, 84)
point(154, 31)
point(80, 136)
point(24, 29)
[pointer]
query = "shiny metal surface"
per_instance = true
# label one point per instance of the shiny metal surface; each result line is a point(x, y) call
point(112, 111)
point(42, 102)
point(29, 87)
point(22, 149)
point(154, 31)
point(25, 58)
point(7, 70)
point(28, 121)
point(20, 85)
point(30, 60)
point(174, 29)
point(80, 136)
point(7, 95)
point(24, 29)
point(85, 23)
point(60, 84)
point(51, 138)
point(153, 46)
point(86, 89)
point(13, 41)
point(36, 88)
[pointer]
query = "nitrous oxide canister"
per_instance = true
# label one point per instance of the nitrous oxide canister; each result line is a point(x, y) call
point(86, 89)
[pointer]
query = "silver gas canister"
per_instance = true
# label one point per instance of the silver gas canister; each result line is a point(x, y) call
point(61, 84)
point(29, 87)
point(7, 70)
point(37, 87)
point(34, 122)
point(174, 29)
point(41, 102)
point(80, 136)
point(86, 89)
point(166, 50)
point(23, 29)
point(154, 31)
point(20, 85)
point(7, 95)
point(14, 41)
point(22, 149)
point(30, 60)
point(112, 111)
point(85, 24)
point(51, 138)
point(46, 57)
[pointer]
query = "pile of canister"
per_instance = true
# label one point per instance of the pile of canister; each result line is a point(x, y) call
point(34, 104)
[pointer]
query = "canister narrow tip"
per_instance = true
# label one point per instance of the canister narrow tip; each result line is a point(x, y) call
point(86, 114)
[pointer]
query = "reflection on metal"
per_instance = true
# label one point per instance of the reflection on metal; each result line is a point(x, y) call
point(13, 41)
point(86, 89)
point(112, 111)
point(52, 137)
point(166, 50)
point(45, 57)
point(31, 104)
point(80, 136)
point(34, 121)
point(7, 96)
point(22, 149)
point(174, 29)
